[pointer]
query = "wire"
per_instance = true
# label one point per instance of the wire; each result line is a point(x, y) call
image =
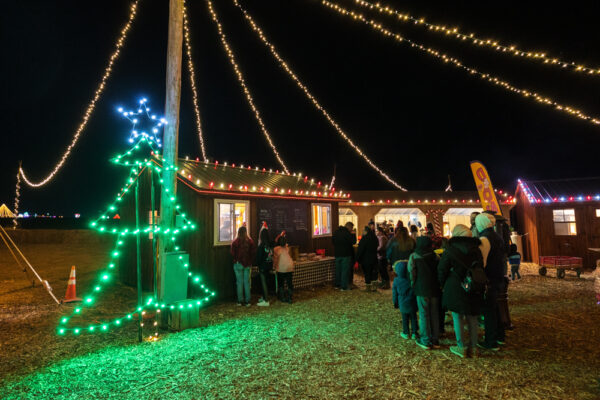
point(309, 95)
point(478, 41)
point(240, 77)
point(457, 63)
point(190, 65)
point(92, 104)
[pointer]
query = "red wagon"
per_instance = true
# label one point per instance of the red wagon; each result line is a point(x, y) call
point(561, 264)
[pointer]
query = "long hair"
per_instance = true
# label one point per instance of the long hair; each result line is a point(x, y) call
point(405, 242)
point(242, 234)
point(265, 237)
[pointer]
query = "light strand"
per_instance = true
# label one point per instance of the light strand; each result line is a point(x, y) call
point(309, 95)
point(17, 198)
point(192, 76)
point(478, 41)
point(92, 104)
point(240, 77)
point(457, 63)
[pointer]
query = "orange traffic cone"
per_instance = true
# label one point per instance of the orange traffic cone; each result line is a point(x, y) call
point(71, 295)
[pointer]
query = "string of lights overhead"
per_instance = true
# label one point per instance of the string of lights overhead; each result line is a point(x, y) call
point(192, 75)
point(92, 104)
point(478, 41)
point(242, 82)
point(457, 63)
point(309, 95)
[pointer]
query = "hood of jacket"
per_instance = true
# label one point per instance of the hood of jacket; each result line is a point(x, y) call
point(464, 244)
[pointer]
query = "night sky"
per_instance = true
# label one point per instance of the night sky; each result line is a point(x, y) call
point(418, 118)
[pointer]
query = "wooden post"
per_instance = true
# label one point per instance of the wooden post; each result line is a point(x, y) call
point(139, 257)
point(171, 131)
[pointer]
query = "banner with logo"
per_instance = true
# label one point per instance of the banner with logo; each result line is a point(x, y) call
point(484, 187)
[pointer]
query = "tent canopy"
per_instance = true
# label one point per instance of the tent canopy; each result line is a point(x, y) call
point(5, 212)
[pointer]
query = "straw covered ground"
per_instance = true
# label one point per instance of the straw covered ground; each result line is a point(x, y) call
point(327, 345)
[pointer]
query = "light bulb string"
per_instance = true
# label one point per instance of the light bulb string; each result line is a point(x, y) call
point(92, 104)
point(458, 64)
point(477, 40)
point(284, 65)
point(192, 78)
point(242, 82)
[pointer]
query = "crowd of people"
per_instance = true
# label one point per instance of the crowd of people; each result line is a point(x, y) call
point(465, 275)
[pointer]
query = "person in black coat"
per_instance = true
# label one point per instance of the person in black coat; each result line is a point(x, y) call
point(460, 255)
point(343, 240)
point(422, 269)
point(367, 255)
point(264, 261)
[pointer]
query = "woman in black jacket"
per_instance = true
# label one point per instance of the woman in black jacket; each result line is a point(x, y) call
point(367, 256)
point(264, 260)
point(461, 255)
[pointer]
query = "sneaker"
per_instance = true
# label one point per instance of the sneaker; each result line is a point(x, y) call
point(436, 345)
point(248, 304)
point(263, 303)
point(501, 342)
point(414, 336)
point(239, 303)
point(405, 335)
point(485, 346)
point(459, 351)
point(423, 345)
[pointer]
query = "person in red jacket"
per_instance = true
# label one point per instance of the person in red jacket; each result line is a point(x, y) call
point(243, 251)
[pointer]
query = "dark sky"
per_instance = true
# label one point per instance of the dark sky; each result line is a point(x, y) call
point(418, 118)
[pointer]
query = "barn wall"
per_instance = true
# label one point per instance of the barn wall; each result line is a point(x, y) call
point(527, 225)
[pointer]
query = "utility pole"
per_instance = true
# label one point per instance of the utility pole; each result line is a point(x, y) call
point(171, 130)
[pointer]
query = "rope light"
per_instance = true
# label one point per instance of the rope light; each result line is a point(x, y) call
point(475, 40)
point(457, 63)
point(242, 82)
point(17, 198)
point(190, 65)
point(309, 95)
point(92, 104)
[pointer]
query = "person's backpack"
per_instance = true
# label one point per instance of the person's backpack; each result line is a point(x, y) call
point(475, 280)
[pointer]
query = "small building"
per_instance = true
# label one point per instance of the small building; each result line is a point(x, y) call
point(559, 217)
point(220, 198)
point(443, 209)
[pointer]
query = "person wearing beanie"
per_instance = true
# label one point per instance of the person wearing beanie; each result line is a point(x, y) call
point(461, 255)
point(422, 269)
point(492, 249)
point(366, 256)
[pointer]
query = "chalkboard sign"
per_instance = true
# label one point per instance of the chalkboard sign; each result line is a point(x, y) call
point(291, 216)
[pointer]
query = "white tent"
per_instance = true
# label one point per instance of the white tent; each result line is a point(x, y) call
point(5, 212)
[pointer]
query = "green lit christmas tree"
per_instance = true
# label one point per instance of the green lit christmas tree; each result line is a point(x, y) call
point(147, 143)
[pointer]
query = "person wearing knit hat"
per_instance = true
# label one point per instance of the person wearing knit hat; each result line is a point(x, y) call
point(492, 249)
point(422, 270)
point(461, 255)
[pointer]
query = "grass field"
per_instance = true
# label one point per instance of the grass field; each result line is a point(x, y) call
point(327, 345)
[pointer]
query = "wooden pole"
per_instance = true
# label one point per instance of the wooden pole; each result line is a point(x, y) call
point(171, 135)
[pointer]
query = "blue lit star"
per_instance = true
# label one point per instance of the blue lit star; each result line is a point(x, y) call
point(144, 124)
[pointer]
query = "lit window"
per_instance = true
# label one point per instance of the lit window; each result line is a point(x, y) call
point(564, 222)
point(230, 215)
point(321, 217)
point(597, 212)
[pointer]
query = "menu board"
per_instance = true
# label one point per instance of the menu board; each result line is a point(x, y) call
point(291, 216)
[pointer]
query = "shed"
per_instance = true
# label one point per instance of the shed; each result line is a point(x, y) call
point(220, 198)
point(559, 217)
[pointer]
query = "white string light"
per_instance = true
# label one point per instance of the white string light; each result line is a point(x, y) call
point(309, 95)
point(242, 82)
point(190, 65)
point(457, 63)
point(17, 198)
point(92, 104)
point(490, 43)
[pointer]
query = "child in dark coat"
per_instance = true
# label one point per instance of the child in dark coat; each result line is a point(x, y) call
point(405, 300)
point(514, 259)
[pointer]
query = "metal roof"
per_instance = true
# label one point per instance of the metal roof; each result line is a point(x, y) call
point(561, 190)
point(217, 177)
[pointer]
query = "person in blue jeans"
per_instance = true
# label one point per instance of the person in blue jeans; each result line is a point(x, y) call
point(514, 259)
point(344, 239)
point(243, 251)
point(460, 256)
point(422, 269)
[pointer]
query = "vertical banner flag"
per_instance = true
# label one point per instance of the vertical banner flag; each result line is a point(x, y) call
point(484, 187)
